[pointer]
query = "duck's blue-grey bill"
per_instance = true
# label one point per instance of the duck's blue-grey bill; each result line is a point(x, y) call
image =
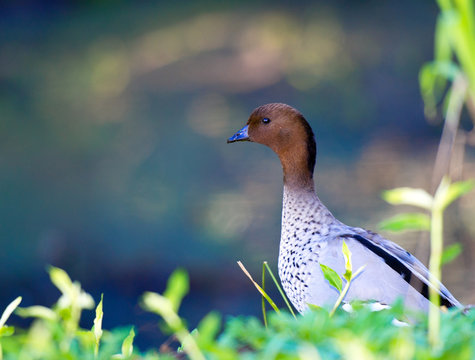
point(241, 135)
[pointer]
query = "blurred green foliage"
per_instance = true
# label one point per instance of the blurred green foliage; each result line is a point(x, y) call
point(445, 195)
point(358, 334)
point(454, 53)
point(55, 333)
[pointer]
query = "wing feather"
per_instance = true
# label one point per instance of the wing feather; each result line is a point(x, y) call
point(405, 264)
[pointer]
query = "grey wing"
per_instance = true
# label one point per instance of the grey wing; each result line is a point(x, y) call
point(378, 281)
point(407, 265)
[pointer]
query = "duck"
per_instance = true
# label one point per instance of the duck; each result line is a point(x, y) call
point(311, 235)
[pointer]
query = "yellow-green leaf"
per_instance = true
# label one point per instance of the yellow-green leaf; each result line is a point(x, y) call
point(127, 345)
point(177, 288)
point(157, 303)
point(8, 311)
point(37, 311)
point(208, 328)
point(97, 328)
point(314, 307)
point(7, 331)
point(332, 277)
point(457, 190)
point(409, 196)
point(61, 279)
point(442, 47)
point(427, 81)
point(406, 221)
point(348, 266)
point(450, 253)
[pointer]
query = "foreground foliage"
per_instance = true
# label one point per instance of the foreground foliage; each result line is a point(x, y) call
point(359, 334)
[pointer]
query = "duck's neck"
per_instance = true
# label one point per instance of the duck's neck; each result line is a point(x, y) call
point(299, 188)
point(301, 201)
point(298, 174)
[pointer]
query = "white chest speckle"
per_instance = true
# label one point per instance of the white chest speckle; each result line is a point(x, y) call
point(306, 224)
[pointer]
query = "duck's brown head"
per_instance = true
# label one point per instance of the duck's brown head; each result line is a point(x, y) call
point(284, 130)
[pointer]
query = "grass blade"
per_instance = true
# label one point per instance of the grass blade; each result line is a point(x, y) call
point(264, 315)
point(279, 288)
point(269, 300)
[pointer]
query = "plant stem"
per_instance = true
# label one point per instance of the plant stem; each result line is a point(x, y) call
point(434, 268)
point(340, 298)
point(345, 290)
point(449, 133)
point(436, 242)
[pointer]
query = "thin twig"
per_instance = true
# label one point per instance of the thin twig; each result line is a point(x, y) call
point(446, 145)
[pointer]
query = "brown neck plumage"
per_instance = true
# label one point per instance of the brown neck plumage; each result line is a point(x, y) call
point(298, 160)
point(298, 169)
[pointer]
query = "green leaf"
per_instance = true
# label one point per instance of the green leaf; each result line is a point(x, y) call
point(177, 288)
point(61, 280)
point(332, 277)
point(127, 345)
point(450, 253)
point(7, 331)
point(348, 266)
point(457, 190)
point(406, 221)
point(158, 304)
point(97, 328)
point(409, 196)
point(208, 328)
point(86, 338)
point(314, 307)
point(162, 306)
point(445, 5)
point(427, 81)
point(433, 79)
point(37, 311)
point(442, 46)
point(8, 311)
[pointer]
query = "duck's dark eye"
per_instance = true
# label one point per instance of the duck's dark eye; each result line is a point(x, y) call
point(265, 120)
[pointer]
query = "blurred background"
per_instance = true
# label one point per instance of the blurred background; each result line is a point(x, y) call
point(114, 117)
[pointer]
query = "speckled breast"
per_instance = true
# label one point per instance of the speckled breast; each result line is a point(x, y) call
point(306, 223)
